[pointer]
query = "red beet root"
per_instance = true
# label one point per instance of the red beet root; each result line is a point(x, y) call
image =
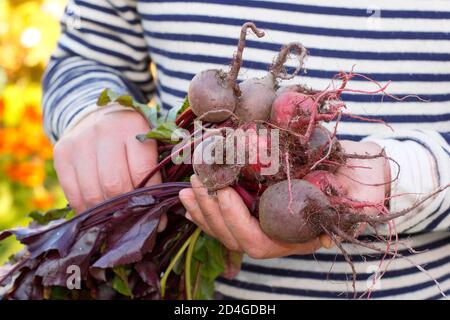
point(258, 94)
point(291, 106)
point(295, 211)
point(213, 93)
point(210, 164)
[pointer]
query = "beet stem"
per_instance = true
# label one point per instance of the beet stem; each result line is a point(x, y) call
point(355, 218)
point(346, 237)
point(237, 60)
point(277, 68)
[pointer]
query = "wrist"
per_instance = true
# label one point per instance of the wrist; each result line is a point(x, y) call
point(90, 111)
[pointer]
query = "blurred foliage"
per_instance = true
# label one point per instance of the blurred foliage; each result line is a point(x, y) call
point(28, 33)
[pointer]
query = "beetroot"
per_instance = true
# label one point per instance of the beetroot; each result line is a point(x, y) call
point(326, 182)
point(295, 211)
point(213, 93)
point(258, 150)
point(290, 107)
point(257, 94)
point(211, 166)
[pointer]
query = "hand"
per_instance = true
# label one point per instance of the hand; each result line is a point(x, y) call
point(365, 179)
point(226, 217)
point(100, 157)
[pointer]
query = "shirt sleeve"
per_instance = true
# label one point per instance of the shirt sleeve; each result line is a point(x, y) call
point(424, 164)
point(101, 46)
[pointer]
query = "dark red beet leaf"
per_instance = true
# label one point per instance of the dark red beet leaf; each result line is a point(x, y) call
point(116, 233)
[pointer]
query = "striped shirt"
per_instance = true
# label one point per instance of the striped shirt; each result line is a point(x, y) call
point(111, 43)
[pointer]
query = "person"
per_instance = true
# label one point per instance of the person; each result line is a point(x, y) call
point(111, 44)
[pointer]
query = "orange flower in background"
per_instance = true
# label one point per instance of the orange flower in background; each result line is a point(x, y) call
point(31, 127)
point(27, 138)
point(28, 33)
point(2, 108)
point(28, 173)
point(42, 198)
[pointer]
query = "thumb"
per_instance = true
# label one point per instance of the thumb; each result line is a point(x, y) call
point(326, 241)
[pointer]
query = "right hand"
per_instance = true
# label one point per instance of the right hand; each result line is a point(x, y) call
point(227, 219)
point(100, 157)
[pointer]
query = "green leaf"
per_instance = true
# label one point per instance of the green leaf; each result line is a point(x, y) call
point(233, 263)
point(163, 132)
point(200, 252)
point(103, 99)
point(162, 127)
point(216, 261)
point(150, 113)
point(210, 252)
point(54, 214)
point(121, 286)
point(205, 289)
point(120, 280)
point(106, 97)
point(125, 100)
point(176, 111)
point(59, 293)
point(184, 106)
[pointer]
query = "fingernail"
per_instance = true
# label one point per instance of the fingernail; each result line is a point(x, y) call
point(188, 216)
point(326, 242)
point(185, 193)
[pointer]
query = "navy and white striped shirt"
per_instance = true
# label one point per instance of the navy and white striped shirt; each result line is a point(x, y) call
point(111, 43)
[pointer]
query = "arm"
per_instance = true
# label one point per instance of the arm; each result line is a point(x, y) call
point(102, 45)
point(96, 154)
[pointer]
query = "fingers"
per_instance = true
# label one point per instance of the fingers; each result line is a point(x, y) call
point(87, 177)
point(210, 212)
point(111, 163)
point(68, 180)
point(142, 158)
point(227, 218)
point(248, 233)
point(194, 213)
point(241, 224)
point(162, 223)
point(326, 241)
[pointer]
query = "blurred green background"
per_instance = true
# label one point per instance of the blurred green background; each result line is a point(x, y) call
point(29, 30)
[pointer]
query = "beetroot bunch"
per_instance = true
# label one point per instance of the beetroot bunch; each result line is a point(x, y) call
point(286, 127)
point(268, 141)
